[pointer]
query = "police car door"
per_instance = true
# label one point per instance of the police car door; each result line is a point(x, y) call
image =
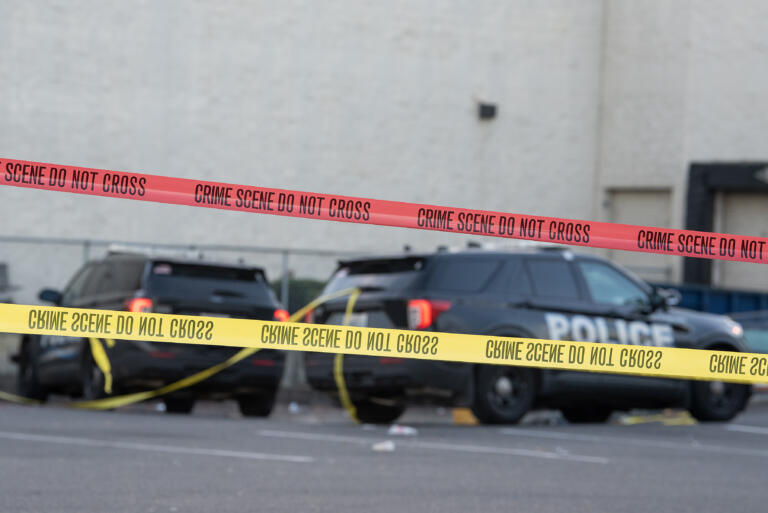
point(554, 286)
point(620, 313)
point(559, 299)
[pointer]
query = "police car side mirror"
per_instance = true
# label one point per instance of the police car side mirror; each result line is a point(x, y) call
point(50, 296)
point(656, 301)
point(664, 297)
point(672, 297)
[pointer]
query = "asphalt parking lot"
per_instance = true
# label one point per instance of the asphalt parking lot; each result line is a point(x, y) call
point(56, 459)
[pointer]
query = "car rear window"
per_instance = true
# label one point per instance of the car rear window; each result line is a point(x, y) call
point(553, 279)
point(463, 275)
point(179, 279)
point(208, 271)
point(377, 275)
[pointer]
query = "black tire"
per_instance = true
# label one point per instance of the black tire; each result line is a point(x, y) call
point(91, 377)
point(257, 405)
point(27, 382)
point(503, 395)
point(180, 405)
point(717, 401)
point(586, 414)
point(371, 411)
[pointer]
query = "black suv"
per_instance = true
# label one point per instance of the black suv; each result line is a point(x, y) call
point(549, 294)
point(138, 283)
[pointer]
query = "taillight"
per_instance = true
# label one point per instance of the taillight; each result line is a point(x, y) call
point(139, 304)
point(281, 315)
point(422, 313)
point(309, 317)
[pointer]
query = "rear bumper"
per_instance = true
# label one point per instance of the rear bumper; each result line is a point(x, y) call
point(135, 368)
point(369, 374)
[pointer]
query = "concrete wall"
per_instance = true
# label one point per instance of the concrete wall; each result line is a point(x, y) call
point(361, 98)
point(683, 81)
point(370, 98)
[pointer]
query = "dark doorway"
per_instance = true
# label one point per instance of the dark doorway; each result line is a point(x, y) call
point(704, 181)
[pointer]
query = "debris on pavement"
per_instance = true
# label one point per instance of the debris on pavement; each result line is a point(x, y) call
point(385, 446)
point(398, 430)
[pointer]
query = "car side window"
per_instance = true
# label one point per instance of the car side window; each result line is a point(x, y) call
point(519, 283)
point(609, 286)
point(75, 287)
point(105, 280)
point(109, 278)
point(95, 281)
point(127, 276)
point(463, 275)
point(552, 278)
point(511, 281)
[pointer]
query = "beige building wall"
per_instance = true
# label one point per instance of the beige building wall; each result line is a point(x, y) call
point(352, 97)
point(741, 213)
point(683, 81)
point(598, 102)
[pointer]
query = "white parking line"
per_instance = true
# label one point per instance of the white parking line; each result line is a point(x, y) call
point(439, 446)
point(692, 445)
point(134, 446)
point(747, 429)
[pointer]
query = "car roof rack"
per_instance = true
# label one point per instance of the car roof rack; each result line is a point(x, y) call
point(562, 250)
point(153, 252)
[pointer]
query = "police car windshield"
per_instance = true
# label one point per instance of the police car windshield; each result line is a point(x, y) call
point(379, 274)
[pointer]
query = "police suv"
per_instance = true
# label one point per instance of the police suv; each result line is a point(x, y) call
point(545, 293)
point(139, 283)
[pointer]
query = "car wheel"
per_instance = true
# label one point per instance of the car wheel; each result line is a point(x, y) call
point(716, 400)
point(27, 383)
point(91, 378)
point(257, 405)
point(586, 414)
point(503, 394)
point(179, 404)
point(372, 411)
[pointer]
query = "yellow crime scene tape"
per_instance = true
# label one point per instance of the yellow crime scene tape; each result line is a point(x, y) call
point(102, 361)
point(667, 362)
point(338, 362)
point(13, 398)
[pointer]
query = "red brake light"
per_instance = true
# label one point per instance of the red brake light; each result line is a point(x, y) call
point(140, 304)
point(281, 315)
point(422, 313)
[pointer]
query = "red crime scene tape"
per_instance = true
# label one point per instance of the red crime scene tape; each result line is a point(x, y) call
point(332, 207)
